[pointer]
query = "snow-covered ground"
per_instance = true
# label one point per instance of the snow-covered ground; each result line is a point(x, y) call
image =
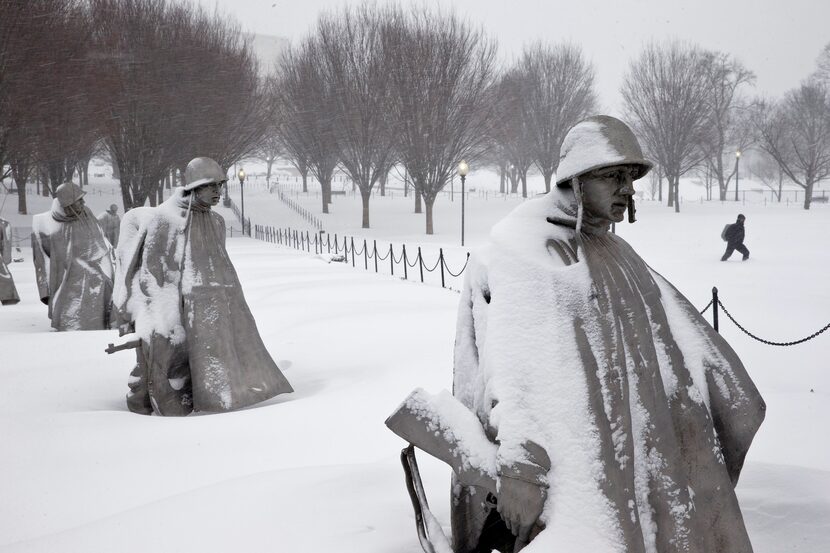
point(316, 470)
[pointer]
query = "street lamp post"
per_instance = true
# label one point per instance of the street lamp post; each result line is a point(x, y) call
point(241, 175)
point(463, 169)
point(737, 172)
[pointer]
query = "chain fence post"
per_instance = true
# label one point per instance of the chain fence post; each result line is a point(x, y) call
point(421, 264)
point(715, 308)
point(392, 259)
point(352, 251)
point(365, 256)
point(441, 262)
point(405, 272)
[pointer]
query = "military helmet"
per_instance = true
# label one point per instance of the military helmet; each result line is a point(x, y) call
point(68, 193)
point(597, 142)
point(201, 171)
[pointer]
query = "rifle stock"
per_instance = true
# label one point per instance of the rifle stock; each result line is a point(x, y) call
point(446, 429)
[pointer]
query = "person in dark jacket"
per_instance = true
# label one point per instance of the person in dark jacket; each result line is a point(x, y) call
point(734, 236)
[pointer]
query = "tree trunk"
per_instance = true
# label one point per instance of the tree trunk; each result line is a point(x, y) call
point(548, 178)
point(365, 195)
point(418, 205)
point(502, 179)
point(514, 182)
point(523, 177)
point(20, 174)
point(670, 182)
point(429, 202)
point(325, 186)
point(160, 192)
point(780, 184)
point(268, 165)
point(659, 186)
point(305, 182)
point(677, 194)
point(808, 194)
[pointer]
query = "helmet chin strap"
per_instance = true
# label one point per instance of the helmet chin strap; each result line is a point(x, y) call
point(576, 186)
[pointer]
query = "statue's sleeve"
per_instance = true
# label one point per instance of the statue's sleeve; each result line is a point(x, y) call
point(469, 335)
point(128, 256)
point(40, 257)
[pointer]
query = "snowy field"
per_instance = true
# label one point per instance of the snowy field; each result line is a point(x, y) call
point(316, 471)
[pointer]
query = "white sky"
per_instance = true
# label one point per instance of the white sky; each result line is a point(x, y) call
point(777, 39)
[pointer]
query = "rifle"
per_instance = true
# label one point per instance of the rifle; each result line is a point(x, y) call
point(132, 344)
point(446, 429)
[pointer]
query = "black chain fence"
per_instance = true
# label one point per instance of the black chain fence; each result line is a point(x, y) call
point(350, 252)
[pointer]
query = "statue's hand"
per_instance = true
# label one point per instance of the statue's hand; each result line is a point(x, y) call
point(520, 504)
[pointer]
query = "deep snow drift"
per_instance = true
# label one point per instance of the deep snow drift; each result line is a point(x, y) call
point(316, 470)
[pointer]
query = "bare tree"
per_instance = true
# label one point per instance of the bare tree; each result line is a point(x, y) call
point(728, 129)
point(268, 150)
point(357, 61)
point(823, 64)
point(441, 76)
point(558, 92)
point(796, 133)
point(766, 169)
point(46, 117)
point(228, 119)
point(304, 112)
point(665, 93)
point(512, 134)
point(177, 82)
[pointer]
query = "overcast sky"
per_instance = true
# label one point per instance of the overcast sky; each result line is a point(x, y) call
point(777, 39)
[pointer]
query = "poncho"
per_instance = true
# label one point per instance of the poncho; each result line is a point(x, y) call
point(74, 268)
point(574, 343)
point(176, 282)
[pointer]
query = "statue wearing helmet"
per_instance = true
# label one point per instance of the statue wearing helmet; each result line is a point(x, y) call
point(111, 223)
point(73, 263)
point(8, 291)
point(595, 379)
point(198, 346)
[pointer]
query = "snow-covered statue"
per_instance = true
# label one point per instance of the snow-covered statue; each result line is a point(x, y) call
point(197, 343)
point(111, 223)
point(73, 263)
point(8, 291)
point(593, 408)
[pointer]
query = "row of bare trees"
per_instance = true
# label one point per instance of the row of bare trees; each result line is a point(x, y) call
point(692, 110)
point(153, 82)
point(372, 88)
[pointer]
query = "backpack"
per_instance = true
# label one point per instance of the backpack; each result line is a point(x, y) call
point(724, 231)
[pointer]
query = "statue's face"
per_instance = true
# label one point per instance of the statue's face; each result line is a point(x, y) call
point(209, 193)
point(605, 192)
point(75, 208)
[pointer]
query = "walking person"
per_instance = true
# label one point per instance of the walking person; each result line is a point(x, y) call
point(734, 236)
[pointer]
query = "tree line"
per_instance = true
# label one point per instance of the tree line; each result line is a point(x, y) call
point(150, 82)
point(369, 90)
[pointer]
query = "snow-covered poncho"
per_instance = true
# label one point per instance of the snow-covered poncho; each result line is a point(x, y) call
point(8, 291)
point(74, 268)
point(645, 411)
point(176, 284)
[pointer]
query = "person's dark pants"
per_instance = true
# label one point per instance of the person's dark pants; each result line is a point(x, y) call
point(731, 248)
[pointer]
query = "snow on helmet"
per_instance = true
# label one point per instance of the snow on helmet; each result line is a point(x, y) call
point(201, 171)
point(68, 193)
point(597, 142)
